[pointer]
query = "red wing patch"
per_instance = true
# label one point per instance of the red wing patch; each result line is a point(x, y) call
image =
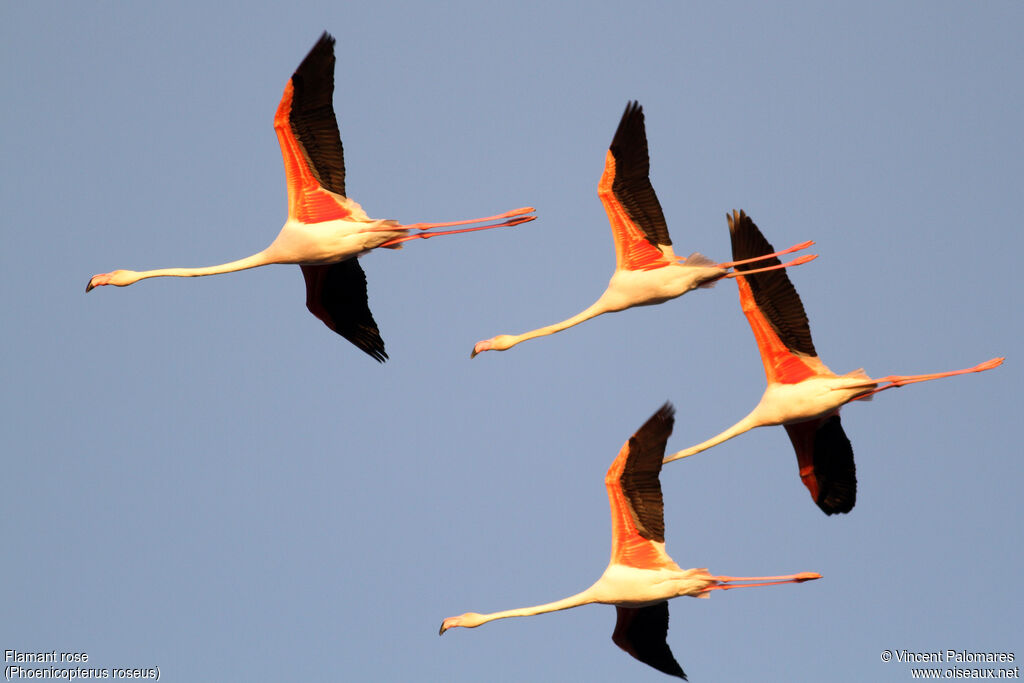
point(317, 205)
point(802, 436)
point(633, 251)
point(628, 546)
point(635, 551)
point(307, 200)
point(634, 495)
point(780, 364)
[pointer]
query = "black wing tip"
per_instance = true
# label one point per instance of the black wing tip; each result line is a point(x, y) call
point(826, 507)
point(336, 294)
point(656, 430)
point(322, 51)
point(658, 425)
point(747, 237)
point(633, 108)
point(748, 241)
point(326, 39)
point(642, 633)
point(666, 415)
point(736, 219)
point(630, 125)
point(377, 354)
point(365, 338)
point(837, 500)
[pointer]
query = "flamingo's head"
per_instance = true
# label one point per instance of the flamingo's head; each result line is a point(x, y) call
point(499, 343)
point(118, 278)
point(467, 620)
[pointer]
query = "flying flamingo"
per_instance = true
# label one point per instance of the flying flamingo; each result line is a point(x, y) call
point(802, 395)
point(641, 577)
point(647, 271)
point(325, 230)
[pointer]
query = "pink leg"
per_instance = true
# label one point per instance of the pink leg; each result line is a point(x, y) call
point(795, 247)
point(430, 226)
point(795, 262)
point(424, 235)
point(725, 581)
point(900, 380)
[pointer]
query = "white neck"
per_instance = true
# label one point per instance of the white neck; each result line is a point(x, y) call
point(258, 259)
point(584, 598)
point(592, 311)
point(744, 425)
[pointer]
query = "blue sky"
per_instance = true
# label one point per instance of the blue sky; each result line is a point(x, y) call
point(199, 476)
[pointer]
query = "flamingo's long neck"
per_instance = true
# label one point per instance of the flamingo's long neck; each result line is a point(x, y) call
point(744, 425)
point(584, 598)
point(259, 259)
point(592, 311)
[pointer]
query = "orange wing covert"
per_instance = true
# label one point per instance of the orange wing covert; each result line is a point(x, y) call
point(635, 499)
point(633, 251)
point(780, 364)
point(308, 202)
point(629, 548)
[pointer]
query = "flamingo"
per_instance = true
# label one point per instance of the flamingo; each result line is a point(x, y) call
point(803, 395)
point(641, 577)
point(325, 230)
point(647, 271)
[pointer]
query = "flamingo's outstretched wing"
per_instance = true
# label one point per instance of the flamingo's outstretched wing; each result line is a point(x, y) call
point(314, 164)
point(773, 308)
point(825, 457)
point(779, 322)
point(314, 161)
point(642, 631)
point(638, 224)
point(634, 495)
point(336, 294)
